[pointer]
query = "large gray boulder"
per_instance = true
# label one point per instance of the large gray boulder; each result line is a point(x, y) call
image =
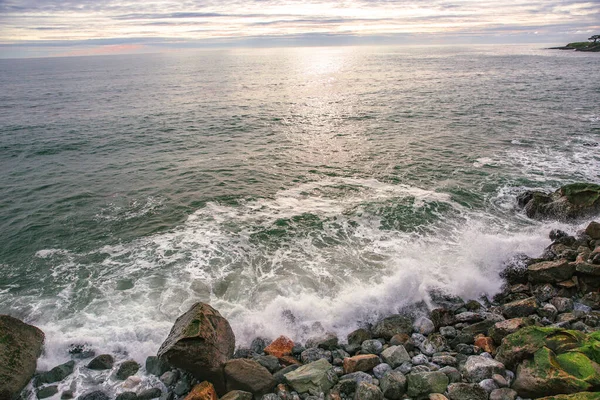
point(570, 202)
point(249, 376)
point(393, 325)
point(315, 377)
point(201, 342)
point(421, 384)
point(20, 346)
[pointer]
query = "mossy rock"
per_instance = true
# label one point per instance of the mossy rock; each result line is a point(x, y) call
point(570, 202)
point(581, 194)
point(576, 396)
point(580, 366)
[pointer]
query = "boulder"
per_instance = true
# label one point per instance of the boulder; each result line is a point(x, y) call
point(248, 375)
point(466, 391)
point(593, 230)
point(390, 326)
point(317, 376)
point(551, 271)
point(156, 366)
point(282, 346)
point(380, 370)
point(202, 391)
point(371, 346)
point(570, 202)
point(363, 362)
point(20, 346)
point(329, 341)
point(478, 368)
point(95, 395)
point(442, 317)
point(56, 374)
point(395, 356)
point(47, 391)
point(520, 308)
point(504, 328)
point(424, 326)
point(421, 384)
point(576, 396)
point(126, 369)
point(101, 362)
point(314, 353)
point(503, 394)
point(237, 395)
point(393, 385)
point(367, 391)
point(200, 342)
point(149, 394)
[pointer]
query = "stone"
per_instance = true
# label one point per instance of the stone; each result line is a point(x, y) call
point(329, 341)
point(551, 271)
point(367, 391)
point(202, 391)
point(442, 317)
point(182, 387)
point(593, 230)
point(393, 385)
point(405, 368)
point(395, 356)
point(466, 391)
point(506, 327)
point(520, 308)
point(452, 373)
point(448, 332)
point(591, 300)
point(20, 346)
point(95, 395)
point(437, 396)
point(478, 368)
point(131, 382)
point(515, 270)
point(313, 354)
point(101, 362)
point(548, 311)
point(358, 377)
point(503, 394)
point(279, 376)
point(500, 380)
point(443, 359)
point(317, 376)
point(67, 394)
point(424, 326)
point(488, 385)
point(282, 346)
point(381, 369)
point(273, 396)
point(588, 269)
point(371, 346)
point(258, 345)
point(469, 316)
point(149, 394)
point(47, 391)
point(562, 304)
point(126, 396)
point(169, 378)
point(421, 384)
point(269, 362)
point(126, 369)
point(419, 359)
point(237, 395)
point(249, 376)
point(200, 342)
point(390, 326)
point(358, 336)
point(485, 343)
point(478, 328)
point(570, 202)
point(363, 362)
point(544, 292)
point(56, 374)
point(156, 366)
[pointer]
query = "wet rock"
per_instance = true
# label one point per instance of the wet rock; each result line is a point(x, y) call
point(271, 363)
point(544, 292)
point(20, 346)
point(390, 326)
point(452, 373)
point(316, 377)
point(504, 328)
point(551, 271)
point(469, 316)
point(570, 202)
point(503, 394)
point(593, 230)
point(548, 311)
point(203, 391)
point(442, 317)
point(249, 376)
point(515, 270)
point(200, 342)
point(367, 391)
point(478, 368)
point(313, 354)
point(103, 361)
point(520, 308)
point(95, 395)
point(395, 356)
point(466, 391)
point(126, 396)
point(363, 362)
point(372, 346)
point(47, 391)
point(477, 328)
point(422, 384)
point(131, 382)
point(356, 338)
point(338, 356)
point(424, 326)
point(156, 366)
point(126, 369)
point(592, 300)
point(237, 395)
point(149, 394)
point(182, 387)
point(405, 368)
point(327, 342)
point(67, 394)
point(381, 369)
point(393, 385)
point(56, 374)
point(169, 378)
point(562, 304)
point(258, 345)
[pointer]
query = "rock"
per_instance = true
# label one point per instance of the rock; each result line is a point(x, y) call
point(393, 385)
point(424, 326)
point(570, 202)
point(202, 391)
point(101, 362)
point(131, 382)
point(478, 328)
point(478, 368)
point(390, 326)
point(363, 362)
point(95, 395)
point(437, 396)
point(442, 317)
point(126, 396)
point(488, 385)
point(576, 396)
point(448, 332)
point(551, 271)
point(156, 366)
point(367, 391)
point(588, 269)
point(47, 391)
point(544, 292)
point(327, 342)
point(466, 391)
point(506, 327)
point(126, 369)
point(249, 376)
point(443, 359)
point(169, 378)
point(395, 356)
point(279, 375)
point(380, 370)
point(271, 363)
point(20, 346)
point(317, 376)
point(358, 377)
point(591, 300)
point(422, 384)
point(68, 394)
point(520, 308)
point(503, 394)
point(485, 343)
point(258, 345)
point(515, 270)
point(562, 304)
point(469, 316)
point(273, 396)
point(182, 387)
point(372, 346)
point(200, 342)
point(149, 394)
point(548, 311)
point(237, 395)
point(452, 373)
point(593, 230)
point(313, 354)
point(419, 359)
point(358, 336)
point(56, 374)
point(282, 346)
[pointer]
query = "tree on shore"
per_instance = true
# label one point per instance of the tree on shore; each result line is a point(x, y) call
point(594, 38)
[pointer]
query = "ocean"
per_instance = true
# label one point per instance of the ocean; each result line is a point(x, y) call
point(294, 189)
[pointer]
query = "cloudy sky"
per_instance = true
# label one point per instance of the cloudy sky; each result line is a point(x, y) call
point(71, 27)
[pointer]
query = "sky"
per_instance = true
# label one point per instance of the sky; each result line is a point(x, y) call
point(37, 28)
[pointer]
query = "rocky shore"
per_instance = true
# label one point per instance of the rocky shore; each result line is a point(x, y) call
point(537, 339)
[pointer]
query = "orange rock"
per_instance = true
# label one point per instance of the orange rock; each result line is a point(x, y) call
point(363, 362)
point(485, 343)
point(202, 391)
point(289, 360)
point(282, 346)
